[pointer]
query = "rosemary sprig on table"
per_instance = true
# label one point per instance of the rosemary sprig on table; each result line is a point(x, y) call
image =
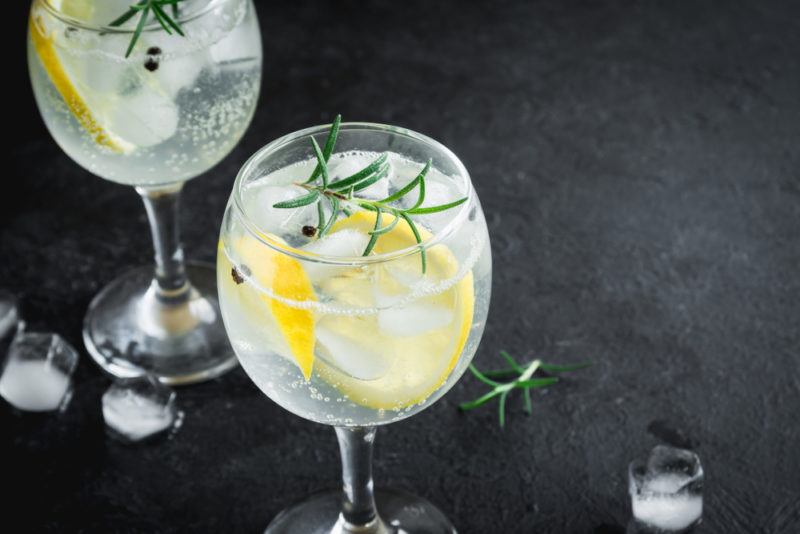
point(144, 8)
point(341, 195)
point(523, 380)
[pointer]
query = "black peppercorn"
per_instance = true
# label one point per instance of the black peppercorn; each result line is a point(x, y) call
point(309, 231)
point(238, 278)
point(151, 64)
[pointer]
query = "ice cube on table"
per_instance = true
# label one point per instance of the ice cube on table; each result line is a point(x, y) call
point(343, 244)
point(9, 314)
point(138, 408)
point(348, 354)
point(37, 376)
point(666, 489)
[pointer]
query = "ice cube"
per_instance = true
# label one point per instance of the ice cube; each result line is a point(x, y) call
point(9, 314)
point(38, 373)
point(180, 72)
point(342, 166)
point(281, 220)
point(348, 354)
point(238, 48)
point(344, 243)
point(145, 118)
point(667, 489)
point(138, 408)
point(436, 193)
point(413, 319)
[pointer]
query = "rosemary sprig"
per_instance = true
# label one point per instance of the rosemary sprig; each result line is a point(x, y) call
point(341, 195)
point(524, 380)
point(144, 8)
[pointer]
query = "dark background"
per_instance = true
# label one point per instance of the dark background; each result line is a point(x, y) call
point(638, 165)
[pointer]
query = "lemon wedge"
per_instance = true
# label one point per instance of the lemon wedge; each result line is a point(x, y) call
point(286, 279)
point(56, 69)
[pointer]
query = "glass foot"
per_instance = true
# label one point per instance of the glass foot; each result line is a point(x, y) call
point(129, 329)
point(401, 513)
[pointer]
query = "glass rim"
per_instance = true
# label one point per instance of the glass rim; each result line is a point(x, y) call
point(152, 25)
point(298, 253)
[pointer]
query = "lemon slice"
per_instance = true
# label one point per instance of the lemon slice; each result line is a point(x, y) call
point(417, 359)
point(286, 279)
point(49, 55)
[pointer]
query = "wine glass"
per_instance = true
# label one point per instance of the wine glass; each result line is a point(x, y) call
point(153, 117)
point(346, 339)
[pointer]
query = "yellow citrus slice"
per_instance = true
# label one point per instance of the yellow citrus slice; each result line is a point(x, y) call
point(54, 66)
point(286, 279)
point(417, 360)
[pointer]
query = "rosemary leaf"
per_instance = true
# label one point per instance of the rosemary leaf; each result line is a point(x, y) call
point(321, 163)
point(528, 407)
point(161, 21)
point(374, 238)
point(125, 17)
point(418, 238)
point(365, 183)
point(502, 410)
point(535, 383)
point(388, 228)
point(138, 31)
point(320, 217)
point(304, 200)
point(330, 142)
point(436, 209)
point(334, 201)
point(360, 175)
point(480, 401)
point(160, 12)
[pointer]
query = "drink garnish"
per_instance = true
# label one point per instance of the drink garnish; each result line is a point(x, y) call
point(144, 8)
point(523, 380)
point(341, 195)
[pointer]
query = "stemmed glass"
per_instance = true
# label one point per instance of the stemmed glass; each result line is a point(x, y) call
point(349, 340)
point(153, 119)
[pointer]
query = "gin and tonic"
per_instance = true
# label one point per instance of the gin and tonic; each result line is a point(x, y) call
point(352, 299)
point(151, 115)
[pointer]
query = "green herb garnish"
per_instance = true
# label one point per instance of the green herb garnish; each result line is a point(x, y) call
point(341, 194)
point(524, 380)
point(144, 8)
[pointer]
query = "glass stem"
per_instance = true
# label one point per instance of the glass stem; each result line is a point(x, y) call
point(358, 500)
point(162, 205)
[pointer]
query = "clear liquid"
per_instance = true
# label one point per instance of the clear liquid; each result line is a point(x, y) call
point(368, 365)
point(169, 123)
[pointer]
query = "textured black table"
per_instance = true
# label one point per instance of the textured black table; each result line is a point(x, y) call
point(638, 164)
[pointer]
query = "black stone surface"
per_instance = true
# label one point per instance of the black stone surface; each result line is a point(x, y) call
point(638, 164)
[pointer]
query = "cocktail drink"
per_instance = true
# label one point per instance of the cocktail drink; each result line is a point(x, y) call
point(355, 294)
point(151, 101)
